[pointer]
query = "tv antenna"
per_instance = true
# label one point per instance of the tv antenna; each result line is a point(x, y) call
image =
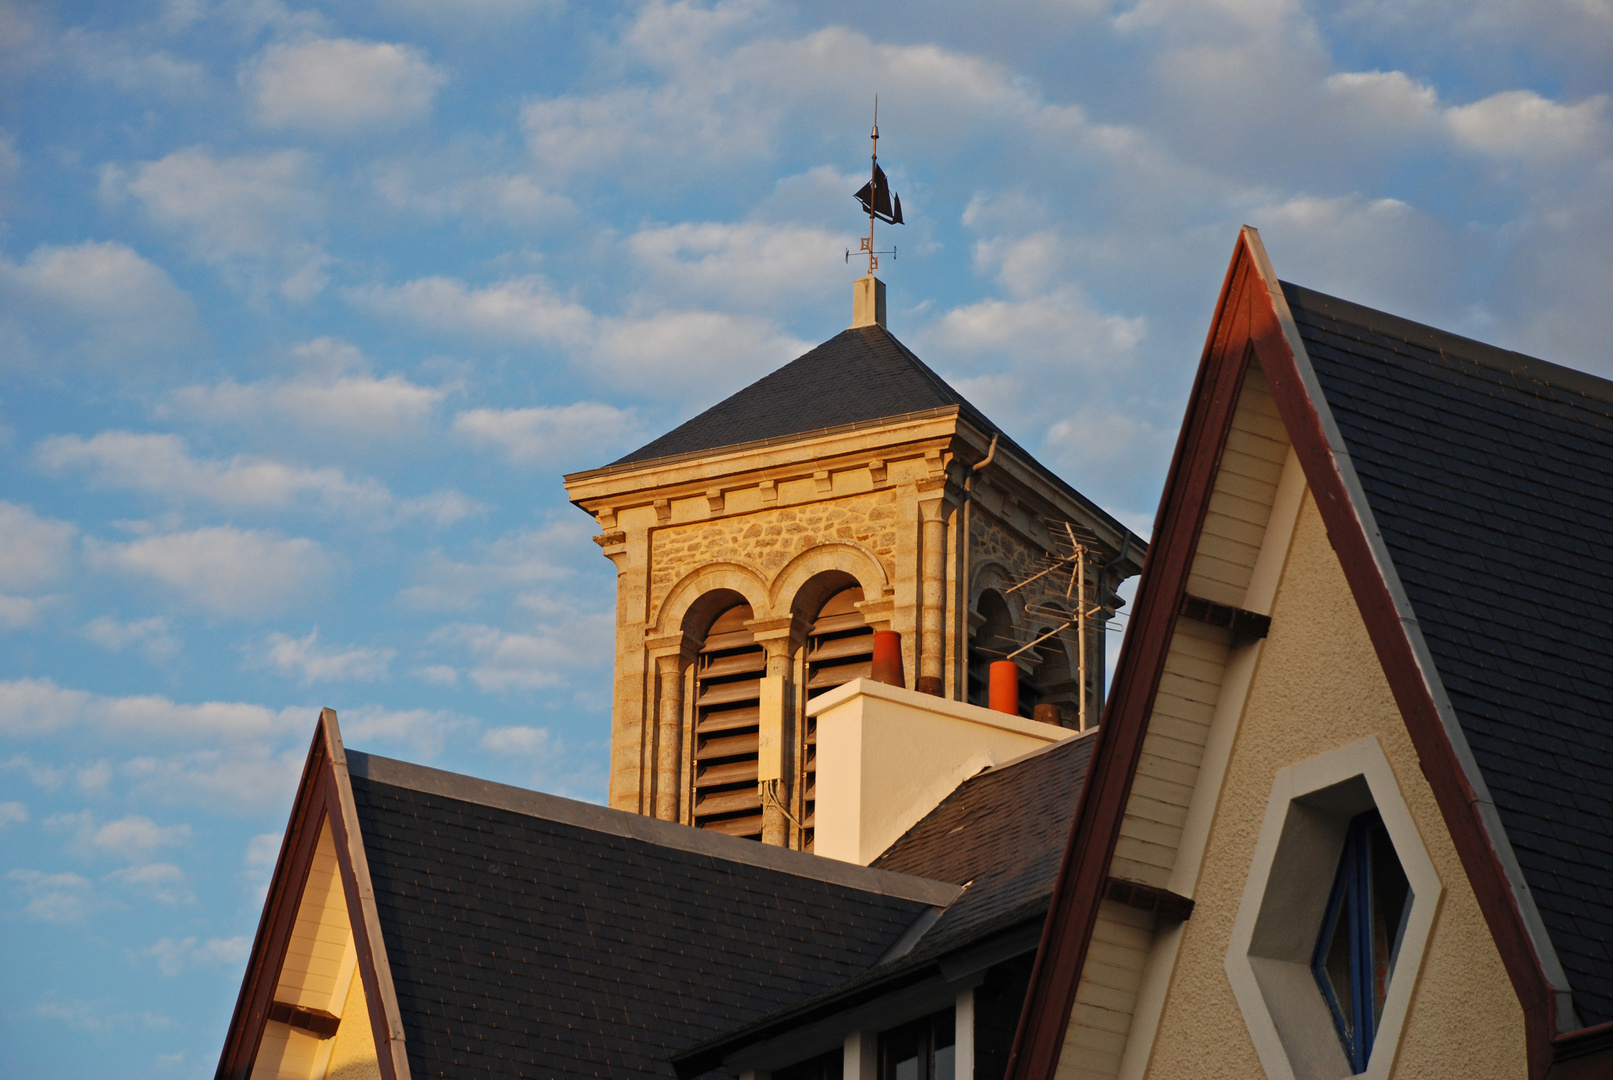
point(1078, 545)
point(877, 198)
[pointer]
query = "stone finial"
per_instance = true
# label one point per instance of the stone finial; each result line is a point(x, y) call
point(867, 302)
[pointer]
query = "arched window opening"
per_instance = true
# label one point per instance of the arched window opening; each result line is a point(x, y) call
point(840, 648)
point(994, 638)
point(1055, 680)
point(726, 713)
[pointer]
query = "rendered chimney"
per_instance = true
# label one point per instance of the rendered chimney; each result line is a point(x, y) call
point(867, 302)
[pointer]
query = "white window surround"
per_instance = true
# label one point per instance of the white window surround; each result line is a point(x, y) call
point(1290, 877)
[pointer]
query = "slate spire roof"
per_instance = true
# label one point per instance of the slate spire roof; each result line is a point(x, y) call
point(1490, 476)
point(858, 376)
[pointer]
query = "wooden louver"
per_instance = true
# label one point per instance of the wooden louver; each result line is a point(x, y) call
point(727, 708)
point(840, 647)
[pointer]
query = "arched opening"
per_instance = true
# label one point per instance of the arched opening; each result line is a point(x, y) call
point(995, 636)
point(1054, 676)
point(839, 648)
point(727, 708)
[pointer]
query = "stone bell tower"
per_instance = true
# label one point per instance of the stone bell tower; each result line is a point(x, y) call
point(759, 546)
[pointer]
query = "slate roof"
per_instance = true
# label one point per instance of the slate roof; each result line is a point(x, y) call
point(1002, 832)
point(857, 376)
point(1490, 475)
point(529, 935)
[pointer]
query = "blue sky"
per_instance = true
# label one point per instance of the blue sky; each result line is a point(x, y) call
point(304, 309)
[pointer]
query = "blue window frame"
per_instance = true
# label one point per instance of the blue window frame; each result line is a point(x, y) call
point(1361, 934)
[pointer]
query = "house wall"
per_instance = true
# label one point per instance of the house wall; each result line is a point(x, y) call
point(319, 971)
point(1317, 686)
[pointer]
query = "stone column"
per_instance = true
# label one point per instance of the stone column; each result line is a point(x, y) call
point(670, 656)
point(780, 638)
point(629, 552)
point(932, 586)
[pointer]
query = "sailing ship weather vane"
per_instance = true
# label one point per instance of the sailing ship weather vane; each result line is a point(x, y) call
point(878, 201)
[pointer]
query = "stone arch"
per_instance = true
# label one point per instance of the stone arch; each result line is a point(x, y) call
point(853, 560)
point(686, 594)
point(993, 576)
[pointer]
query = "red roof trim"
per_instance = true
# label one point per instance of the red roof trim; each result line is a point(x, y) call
point(1084, 874)
point(324, 794)
point(1249, 323)
point(1441, 765)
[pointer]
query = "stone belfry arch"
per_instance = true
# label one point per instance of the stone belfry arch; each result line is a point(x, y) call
point(852, 488)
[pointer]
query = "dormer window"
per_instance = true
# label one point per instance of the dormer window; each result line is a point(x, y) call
point(1361, 934)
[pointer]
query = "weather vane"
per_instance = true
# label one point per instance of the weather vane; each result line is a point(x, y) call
point(878, 200)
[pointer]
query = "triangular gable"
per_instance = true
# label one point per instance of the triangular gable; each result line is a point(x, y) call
point(317, 998)
point(1252, 324)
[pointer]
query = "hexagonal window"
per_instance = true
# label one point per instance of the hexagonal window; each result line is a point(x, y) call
point(1336, 912)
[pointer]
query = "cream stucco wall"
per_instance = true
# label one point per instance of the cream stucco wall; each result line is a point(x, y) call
point(888, 755)
point(1317, 686)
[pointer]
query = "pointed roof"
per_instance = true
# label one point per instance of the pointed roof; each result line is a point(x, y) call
point(858, 376)
point(1466, 492)
point(1490, 477)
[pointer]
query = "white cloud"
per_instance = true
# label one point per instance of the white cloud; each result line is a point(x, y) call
point(303, 658)
point(162, 882)
point(134, 837)
point(30, 707)
point(523, 740)
point(505, 197)
point(437, 675)
point(152, 636)
point(514, 562)
point(34, 551)
point(226, 206)
point(688, 352)
point(1520, 122)
point(101, 298)
point(58, 898)
point(17, 612)
point(253, 211)
point(1062, 329)
point(422, 731)
point(163, 465)
point(341, 84)
point(224, 569)
point(525, 661)
point(680, 351)
point(262, 852)
point(116, 59)
point(174, 956)
point(12, 813)
point(247, 778)
point(337, 394)
point(545, 433)
point(518, 309)
point(759, 264)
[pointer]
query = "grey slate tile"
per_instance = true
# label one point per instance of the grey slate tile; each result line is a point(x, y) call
point(1490, 475)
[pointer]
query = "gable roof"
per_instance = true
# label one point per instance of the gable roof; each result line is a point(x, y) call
point(532, 937)
point(507, 932)
point(858, 376)
point(1000, 835)
point(1490, 477)
point(1472, 439)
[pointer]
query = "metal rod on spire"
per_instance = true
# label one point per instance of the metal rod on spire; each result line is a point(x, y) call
point(878, 199)
point(873, 183)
